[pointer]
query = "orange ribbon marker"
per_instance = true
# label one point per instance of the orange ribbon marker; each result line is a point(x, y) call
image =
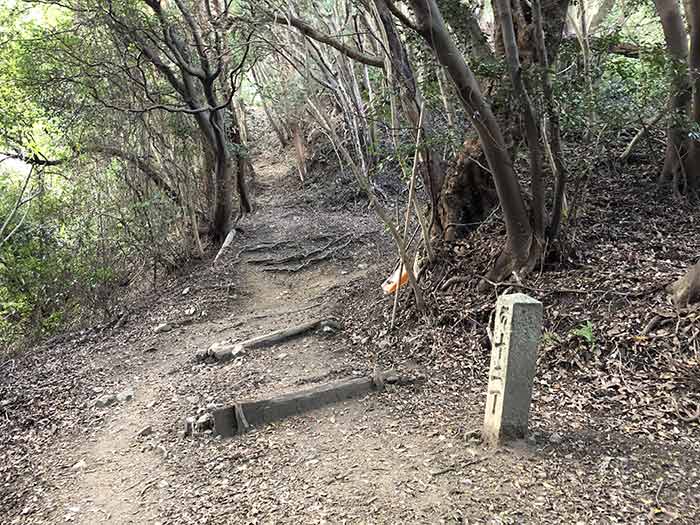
point(393, 282)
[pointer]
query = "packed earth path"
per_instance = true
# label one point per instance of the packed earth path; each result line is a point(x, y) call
point(94, 420)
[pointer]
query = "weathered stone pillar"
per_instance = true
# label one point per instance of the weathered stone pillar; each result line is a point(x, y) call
point(516, 334)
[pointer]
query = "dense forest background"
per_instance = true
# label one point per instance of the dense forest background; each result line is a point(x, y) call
point(127, 131)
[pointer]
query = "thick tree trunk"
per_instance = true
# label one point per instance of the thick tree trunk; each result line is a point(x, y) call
point(677, 46)
point(208, 179)
point(244, 175)
point(223, 207)
point(468, 194)
point(516, 255)
point(227, 155)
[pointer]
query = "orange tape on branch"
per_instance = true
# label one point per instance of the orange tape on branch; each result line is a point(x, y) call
point(393, 282)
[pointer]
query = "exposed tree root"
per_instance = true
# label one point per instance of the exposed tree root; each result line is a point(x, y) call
point(686, 290)
point(298, 256)
point(657, 321)
point(509, 266)
point(271, 245)
point(308, 258)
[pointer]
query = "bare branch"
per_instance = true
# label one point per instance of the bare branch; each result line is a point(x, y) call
point(35, 159)
point(304, 28)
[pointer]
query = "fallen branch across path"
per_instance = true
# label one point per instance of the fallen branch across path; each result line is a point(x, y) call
point(645, 129)
point(238, 418)
point(226, 351)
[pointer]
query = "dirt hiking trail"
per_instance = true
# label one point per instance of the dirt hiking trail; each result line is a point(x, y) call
point(328, 465)
point(405, 456)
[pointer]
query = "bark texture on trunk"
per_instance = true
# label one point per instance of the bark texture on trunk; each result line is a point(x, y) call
point(468, 194)
point(677, 46)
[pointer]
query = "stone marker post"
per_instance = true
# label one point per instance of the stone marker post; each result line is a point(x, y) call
point(517, 331)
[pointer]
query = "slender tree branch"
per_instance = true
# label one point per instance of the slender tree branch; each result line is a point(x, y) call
point(304, 28)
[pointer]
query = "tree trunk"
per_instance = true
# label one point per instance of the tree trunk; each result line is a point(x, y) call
point(677, 46)
point(223, 206)
point(686, 290)
point(299, 150)
point(692, 167)
point(468, 194)
point(245, 180)
point(553, 141)
point(243, 169)
point(554, 18)
point(516, 255)
point(464, 23)
point(412, 101)
point(447, 104)
point(532, 134)
point(208, 181)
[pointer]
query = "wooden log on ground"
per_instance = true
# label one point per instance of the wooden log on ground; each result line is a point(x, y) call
point(224, 352)
point(239, 417)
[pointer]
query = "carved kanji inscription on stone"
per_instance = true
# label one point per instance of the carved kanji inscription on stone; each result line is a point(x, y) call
point(516, 334)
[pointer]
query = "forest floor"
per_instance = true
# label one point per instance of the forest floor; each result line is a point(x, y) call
point(607, 445)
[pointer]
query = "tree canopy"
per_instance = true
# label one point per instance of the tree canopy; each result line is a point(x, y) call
point(139, 109)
